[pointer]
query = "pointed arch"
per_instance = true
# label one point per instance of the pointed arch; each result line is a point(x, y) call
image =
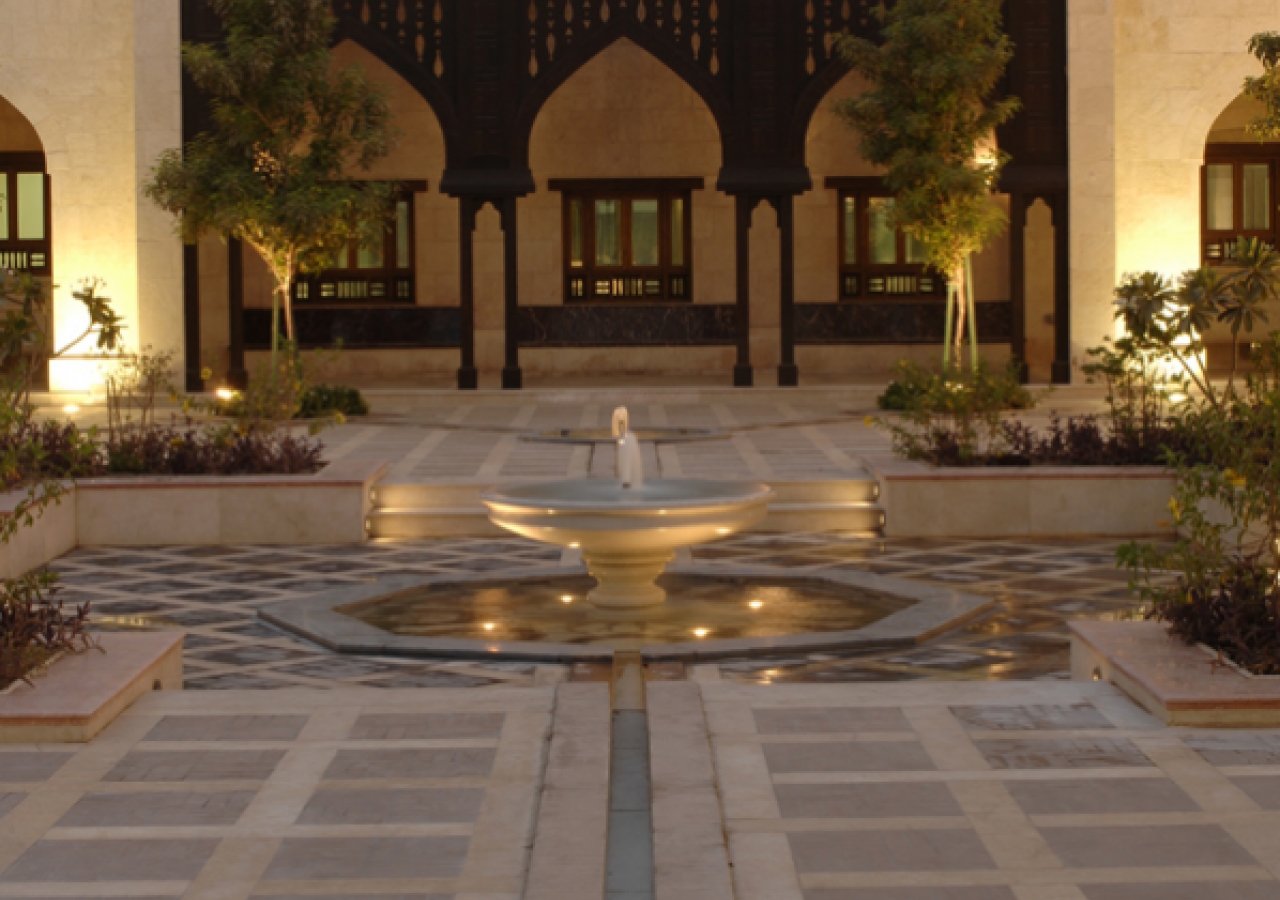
point(587, 49)
point(412, 71)
point(817, 90)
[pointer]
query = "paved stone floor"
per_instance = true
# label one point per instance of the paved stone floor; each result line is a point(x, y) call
point(213, 594)
point(398, 794)
point(987, 792)
point(920, 791)
point(804, 436)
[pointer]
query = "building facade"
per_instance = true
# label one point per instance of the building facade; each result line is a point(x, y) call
point(635, 188)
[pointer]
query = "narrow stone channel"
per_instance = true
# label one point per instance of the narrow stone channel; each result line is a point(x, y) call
point(629, 855)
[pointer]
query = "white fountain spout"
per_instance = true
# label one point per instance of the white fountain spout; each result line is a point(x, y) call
point(621, 422)
point(630, 463)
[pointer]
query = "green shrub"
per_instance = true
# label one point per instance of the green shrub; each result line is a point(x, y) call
point(1227, 509)
point(322, 400)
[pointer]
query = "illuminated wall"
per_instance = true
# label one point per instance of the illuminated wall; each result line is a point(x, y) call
point(99, 82)
point(1147, 82)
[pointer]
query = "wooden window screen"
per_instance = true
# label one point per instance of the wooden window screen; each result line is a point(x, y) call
point(385, 273)
point(875, 260)
point(25, 222)
point(627, 240)
point(1237, 198)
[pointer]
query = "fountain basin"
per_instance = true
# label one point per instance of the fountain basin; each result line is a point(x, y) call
point(628, 536)
point(644, 435)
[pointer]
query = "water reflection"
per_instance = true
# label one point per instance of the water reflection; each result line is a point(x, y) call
point(697, 608)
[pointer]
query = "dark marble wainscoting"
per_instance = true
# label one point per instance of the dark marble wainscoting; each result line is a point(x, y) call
point(904, 322)
point(626, 325)
point(361, 328)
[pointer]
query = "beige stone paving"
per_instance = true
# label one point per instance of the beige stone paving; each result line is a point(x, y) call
point(1104, 804)
point(284, 793)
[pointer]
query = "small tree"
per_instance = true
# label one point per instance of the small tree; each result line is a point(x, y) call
point(286, 130)
point(928, 119)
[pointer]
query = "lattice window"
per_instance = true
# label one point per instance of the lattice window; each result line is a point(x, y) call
point(381, 273)
point(1238, 198)
point(876, 260)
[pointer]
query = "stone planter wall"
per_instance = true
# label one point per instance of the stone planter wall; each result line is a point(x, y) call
point(1058, 501)
point(329, 507)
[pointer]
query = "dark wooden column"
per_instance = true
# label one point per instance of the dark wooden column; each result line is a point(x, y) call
point(1061, 290)
point(512, 378)
point(1018, 280)
point(237, 375)
point(788, 372)
point(742, 372)
point(468, 377)
point(191, 317)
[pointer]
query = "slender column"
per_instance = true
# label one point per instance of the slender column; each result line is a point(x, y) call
point(788, 371)
point(512, 378)
point(1018, 281)
point(191, 317)
point(237, 375)
point(468, 377)
point(1061, 290)
point(742, 374)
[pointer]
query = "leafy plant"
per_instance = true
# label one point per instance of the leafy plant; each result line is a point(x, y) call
point(133, 387)
point(213, 451)
point(26, 330)
point(287, 128)
point(954, 417)
point(1227, 508)
point(35, 626)
point(323, 401)
point(930, 120)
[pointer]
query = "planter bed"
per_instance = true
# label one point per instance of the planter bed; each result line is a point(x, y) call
point(82, 693)
point(327, 507)
point(1176, 683)
point(1038, 501)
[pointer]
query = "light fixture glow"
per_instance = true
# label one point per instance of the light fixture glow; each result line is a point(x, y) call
point(566, 599)
point(756, 604)
point(574, 546)
point(225, 394)
point(700, 632)
point(71, 409)
point(489, 626)
point(722, 531)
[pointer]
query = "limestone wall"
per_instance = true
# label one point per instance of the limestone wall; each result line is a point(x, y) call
point(98, 81)
point(1147, 82)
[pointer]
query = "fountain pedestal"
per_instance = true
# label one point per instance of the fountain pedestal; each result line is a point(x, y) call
point(627, 580)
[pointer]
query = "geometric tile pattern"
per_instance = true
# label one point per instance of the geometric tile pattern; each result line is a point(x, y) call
point(213, 594)
point(282, 793)
point(1111, 806)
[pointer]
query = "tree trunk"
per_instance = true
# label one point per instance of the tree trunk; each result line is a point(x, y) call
point(962, 309)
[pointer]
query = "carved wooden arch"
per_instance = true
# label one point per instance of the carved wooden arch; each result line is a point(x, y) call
point(582, 52)
point(414, 74)
point(817, 90)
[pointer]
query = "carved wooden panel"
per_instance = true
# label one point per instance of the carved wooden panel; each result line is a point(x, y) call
point(421, 27)
point(822, 21)
point(695, 28)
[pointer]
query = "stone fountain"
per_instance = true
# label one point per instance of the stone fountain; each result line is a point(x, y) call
point(628, 529)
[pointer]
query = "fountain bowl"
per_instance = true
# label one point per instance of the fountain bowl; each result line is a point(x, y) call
point(628, 535)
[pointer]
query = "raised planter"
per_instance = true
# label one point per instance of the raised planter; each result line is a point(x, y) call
point(82, 693)
point(1176, 683)
point(50, 535)
point(1048, 501)
point(329, 507)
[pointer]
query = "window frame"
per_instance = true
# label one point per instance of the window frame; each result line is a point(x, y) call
point(877, 282)
point(1216, 245)
point(628, 283)
point(400, 284)
point(32, 256)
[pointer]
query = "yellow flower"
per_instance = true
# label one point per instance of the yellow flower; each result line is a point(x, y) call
point(869, 422)
point(1176, 509)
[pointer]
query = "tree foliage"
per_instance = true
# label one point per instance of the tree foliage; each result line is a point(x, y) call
point(930, 121)
point(287, 130)
point(1266, 87)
